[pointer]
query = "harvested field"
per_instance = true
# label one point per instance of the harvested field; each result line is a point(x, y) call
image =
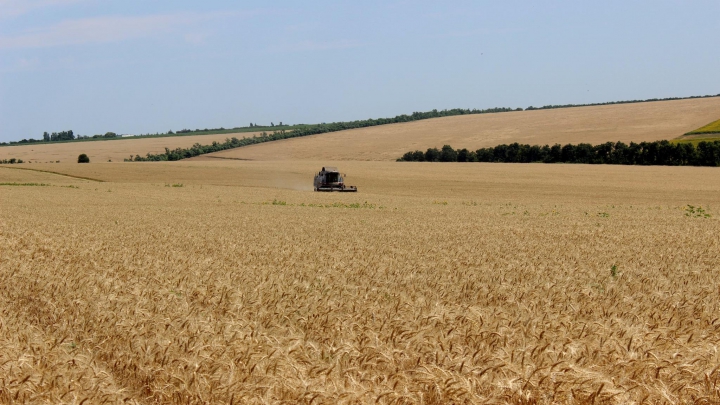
point(435, 284)
point(102, 151)
point(650, 121)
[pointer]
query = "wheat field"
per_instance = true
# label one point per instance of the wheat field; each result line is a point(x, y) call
point(229, 282)
point(105, 150)
point(639, 122)
point(651, 121)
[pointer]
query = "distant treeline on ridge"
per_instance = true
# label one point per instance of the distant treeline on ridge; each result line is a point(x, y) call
point(197, 149)
point(305, 130)
point(661, 153)
point(312, 129)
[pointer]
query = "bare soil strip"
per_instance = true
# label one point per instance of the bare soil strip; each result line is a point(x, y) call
point(52, 172)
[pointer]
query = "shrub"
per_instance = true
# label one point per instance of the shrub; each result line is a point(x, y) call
point(432, 155)
point(448, 154)
point(83, 158)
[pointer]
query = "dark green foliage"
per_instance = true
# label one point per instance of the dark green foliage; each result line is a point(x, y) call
point(111, 135)
point(62, 136)
point(448, 154)
point(83, 158)
point(11, 161)
point(417, 156)
point(432, 155)
point(464, 155)
point(661, 153)
point(54, 137)
point(197, 149)
point(554, 106)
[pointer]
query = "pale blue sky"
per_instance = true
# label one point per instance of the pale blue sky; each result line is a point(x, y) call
point(138, 66)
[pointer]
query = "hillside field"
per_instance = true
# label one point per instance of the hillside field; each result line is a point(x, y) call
point(232, 282)
point(647, 121)
point(650, 121)
point(104, 150)
point(711, 128)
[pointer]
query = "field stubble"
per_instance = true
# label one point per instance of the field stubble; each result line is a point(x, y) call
point(235, 293)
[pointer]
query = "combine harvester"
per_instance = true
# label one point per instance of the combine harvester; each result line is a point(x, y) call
point(329, 179)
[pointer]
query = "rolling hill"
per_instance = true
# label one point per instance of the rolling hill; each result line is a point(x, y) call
point(113, 149)
point(639, 122)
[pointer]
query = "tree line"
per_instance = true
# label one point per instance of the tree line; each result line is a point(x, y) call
point(11, 161)
point(51, 137)
point(198, 149)
point(63, 136)
point(313, 129)
point(648, 100)
point(303, 130)
point(661, 153)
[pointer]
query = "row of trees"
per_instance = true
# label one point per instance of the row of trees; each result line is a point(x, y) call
point(299, 131)
point(303, 130)
point(58, 136)
point(553, 106)
point(252, 125)
point(65, 136)
point(645, 153)
point(106, 135)
point(51, 137)
point(10, 161)
point(197, 149)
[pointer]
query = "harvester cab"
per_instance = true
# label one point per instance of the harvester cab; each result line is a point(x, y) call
point(329, 179)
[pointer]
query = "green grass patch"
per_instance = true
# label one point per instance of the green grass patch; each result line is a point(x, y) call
point(357, 205)
point(26, 184)
point(696, 140)
point(711, 128)
point(696, 212)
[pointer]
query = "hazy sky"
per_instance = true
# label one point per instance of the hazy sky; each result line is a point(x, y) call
point(138, 66)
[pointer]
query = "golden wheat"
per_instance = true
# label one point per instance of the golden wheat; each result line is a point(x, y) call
point(639, 122)
point(115, 150)
point(449, 283)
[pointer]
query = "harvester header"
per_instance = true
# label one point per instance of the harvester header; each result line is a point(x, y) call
point(330, 179)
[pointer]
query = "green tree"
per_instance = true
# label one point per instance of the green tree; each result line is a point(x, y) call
point(462, 155)
point(448, 154)
point(432, 155)
point(83, 158)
